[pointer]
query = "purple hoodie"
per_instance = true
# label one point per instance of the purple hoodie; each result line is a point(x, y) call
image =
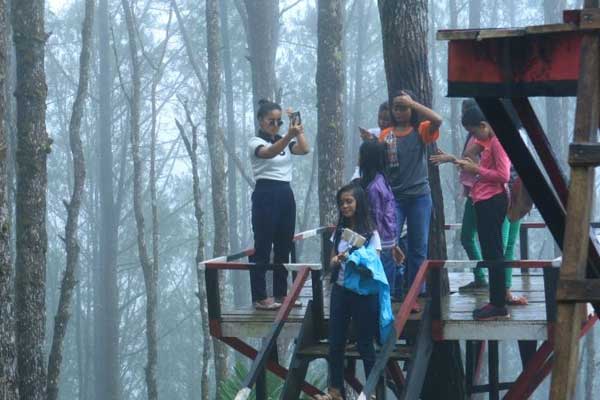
point(383, 210)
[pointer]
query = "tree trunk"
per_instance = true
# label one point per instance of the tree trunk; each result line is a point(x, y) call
point(234, 239)
point(330, 88)
point(358, 100)
point(192, 148)
point(149, 267)
point(33, 146)
point(217, 160)
point(106, 315)
point(263, 36)
point(69, 281)
point(8, 355)
point(404, 32)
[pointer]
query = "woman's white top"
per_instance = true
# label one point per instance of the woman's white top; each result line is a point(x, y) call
point(278, 168)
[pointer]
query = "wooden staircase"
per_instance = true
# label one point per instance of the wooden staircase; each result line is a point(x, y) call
point(415, 357)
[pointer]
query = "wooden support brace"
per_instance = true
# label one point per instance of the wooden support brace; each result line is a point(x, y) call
point(584, 154)
point(270, 340)
point(578, 291)
point(575, 250)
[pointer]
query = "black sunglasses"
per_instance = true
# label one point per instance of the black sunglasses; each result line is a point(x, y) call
point(275, 122)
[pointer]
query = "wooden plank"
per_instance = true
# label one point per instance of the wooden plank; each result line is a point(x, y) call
point(321, 350)
point(494, 330)
point(584, 154)
point(482, 34)
point(578, 291)
point(575, 250)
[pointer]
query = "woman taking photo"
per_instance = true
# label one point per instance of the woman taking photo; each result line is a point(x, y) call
point(273, 204)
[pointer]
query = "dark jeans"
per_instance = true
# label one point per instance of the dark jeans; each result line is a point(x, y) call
point(490, 216)
point(273, 224)
point(417, 214)
point(346, 305)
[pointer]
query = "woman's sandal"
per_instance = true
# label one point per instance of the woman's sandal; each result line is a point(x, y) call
point(513, 300)
point(266, 305)
point(332, 394)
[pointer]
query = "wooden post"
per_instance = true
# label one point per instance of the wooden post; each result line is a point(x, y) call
point(493, 363)
point(575, 250)
point(213, 300)
point(524, 246)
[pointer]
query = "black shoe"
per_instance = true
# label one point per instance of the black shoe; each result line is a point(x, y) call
point(490, 312)
point(475, 286)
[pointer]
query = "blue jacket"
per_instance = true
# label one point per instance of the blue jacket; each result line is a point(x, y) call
point(383, 210)
point(364, 275)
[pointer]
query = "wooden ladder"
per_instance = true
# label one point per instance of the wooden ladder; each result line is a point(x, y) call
point(574, 289)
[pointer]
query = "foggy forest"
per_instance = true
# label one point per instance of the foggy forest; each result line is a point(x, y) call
point(124, 130)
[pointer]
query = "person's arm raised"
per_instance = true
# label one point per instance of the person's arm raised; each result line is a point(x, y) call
point(275, 148)
point(301, 146)
point(426, 113)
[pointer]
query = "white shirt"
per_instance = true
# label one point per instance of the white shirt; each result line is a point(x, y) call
point(375, 135)
point(278, 168)
point(374, 242)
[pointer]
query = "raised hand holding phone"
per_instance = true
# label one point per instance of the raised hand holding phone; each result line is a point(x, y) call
point(364, 134)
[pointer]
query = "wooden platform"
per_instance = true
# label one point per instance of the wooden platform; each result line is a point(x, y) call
point(526, 323)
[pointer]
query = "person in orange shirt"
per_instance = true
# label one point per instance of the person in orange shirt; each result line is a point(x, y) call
point(414, 127)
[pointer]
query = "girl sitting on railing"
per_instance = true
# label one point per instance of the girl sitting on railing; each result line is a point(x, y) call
point(359, 292)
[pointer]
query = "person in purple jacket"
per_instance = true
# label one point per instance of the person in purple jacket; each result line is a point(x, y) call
point(382, 205)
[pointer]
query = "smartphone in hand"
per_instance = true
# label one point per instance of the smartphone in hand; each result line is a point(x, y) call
point(295, 118)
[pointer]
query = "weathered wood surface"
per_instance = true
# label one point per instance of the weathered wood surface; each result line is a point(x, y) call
point(575, 250)
point(481, 34)
point(527, 322)
point(584, 154)
point(580, 291)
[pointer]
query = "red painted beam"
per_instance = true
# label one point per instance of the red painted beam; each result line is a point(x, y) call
point(528, 65)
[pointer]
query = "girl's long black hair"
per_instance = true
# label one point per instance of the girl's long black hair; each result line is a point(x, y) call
point(363, 223)
point(371, 161)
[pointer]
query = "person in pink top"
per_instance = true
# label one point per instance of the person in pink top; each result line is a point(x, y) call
point(490, 199)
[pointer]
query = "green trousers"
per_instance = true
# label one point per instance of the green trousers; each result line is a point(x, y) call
point(470, 242)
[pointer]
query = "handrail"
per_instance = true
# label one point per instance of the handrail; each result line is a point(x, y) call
point(250, 250)
point(239, 266)
point(211, 270)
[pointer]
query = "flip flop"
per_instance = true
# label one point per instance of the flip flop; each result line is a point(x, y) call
point(517, 300)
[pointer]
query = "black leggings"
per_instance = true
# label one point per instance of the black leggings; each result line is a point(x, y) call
point(490, 216)
point(273, 224)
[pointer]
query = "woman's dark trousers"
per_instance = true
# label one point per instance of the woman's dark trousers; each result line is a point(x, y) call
point(273, 224)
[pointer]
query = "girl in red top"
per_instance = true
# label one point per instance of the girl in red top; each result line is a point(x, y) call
point(491, 201)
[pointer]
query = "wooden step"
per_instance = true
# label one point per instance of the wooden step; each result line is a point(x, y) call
point(321, 350)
